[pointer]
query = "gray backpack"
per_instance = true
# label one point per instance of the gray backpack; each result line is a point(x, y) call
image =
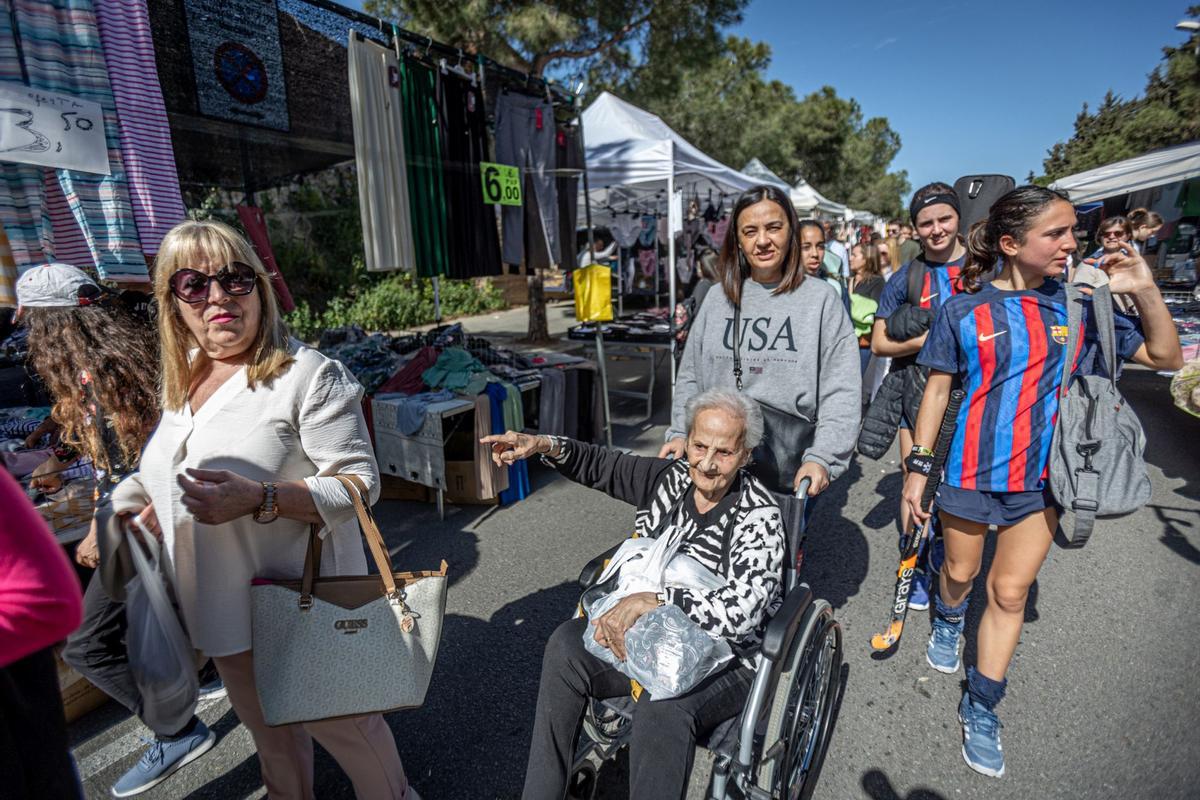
point(1096, 464)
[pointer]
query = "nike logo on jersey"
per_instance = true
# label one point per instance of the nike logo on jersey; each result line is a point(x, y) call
point(930, 297)
point(987, 337)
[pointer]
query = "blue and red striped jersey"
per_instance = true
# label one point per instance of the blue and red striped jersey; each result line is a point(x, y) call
point(1007, 348)
point(939, 285)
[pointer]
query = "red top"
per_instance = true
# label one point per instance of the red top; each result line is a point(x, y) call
point(40, 601)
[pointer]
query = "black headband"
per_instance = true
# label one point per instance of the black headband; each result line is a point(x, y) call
point(948, 198)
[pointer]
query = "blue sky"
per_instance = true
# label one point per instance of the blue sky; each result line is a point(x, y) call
point(971, 86)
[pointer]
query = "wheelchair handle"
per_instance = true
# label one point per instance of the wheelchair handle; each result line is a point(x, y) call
point(802, 489)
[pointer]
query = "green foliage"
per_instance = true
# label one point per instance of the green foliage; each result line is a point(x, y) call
point(822, 138)
point(395, 302)
point(1167, 113)
point(570, 36)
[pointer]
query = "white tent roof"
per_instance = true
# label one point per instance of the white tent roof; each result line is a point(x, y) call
point(760, 171)
point(1133, 174)
point(806, 199)
point(632, 148)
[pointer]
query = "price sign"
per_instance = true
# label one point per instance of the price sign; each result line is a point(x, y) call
point(51, 130)
point(501, 184)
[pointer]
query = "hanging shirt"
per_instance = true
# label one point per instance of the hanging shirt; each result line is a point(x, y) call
point(625, 229)
point(1007, 348)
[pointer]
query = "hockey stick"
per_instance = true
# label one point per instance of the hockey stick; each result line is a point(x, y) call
point(911, 543)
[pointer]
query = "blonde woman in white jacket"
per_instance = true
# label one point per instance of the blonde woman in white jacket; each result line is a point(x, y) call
point(254, 427)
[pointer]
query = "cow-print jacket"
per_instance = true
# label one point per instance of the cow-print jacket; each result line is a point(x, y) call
point(742, 539)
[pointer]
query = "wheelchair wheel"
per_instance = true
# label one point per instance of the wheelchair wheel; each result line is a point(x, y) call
point(798, 727)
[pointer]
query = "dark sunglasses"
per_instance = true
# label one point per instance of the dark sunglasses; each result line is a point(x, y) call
point(1113, 235)
point(191, 286)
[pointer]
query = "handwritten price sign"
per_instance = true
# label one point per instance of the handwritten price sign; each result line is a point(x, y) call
point(501, 184)
point(51, 130)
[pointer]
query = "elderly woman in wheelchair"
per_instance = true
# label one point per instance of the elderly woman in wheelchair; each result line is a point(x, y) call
point(727, 521)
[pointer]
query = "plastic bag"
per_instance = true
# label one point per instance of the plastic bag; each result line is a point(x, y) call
point(161, 657)
point(666, 651)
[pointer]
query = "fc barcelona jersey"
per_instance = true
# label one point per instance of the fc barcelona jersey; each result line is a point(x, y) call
point(939, 285)
point(1007, 348)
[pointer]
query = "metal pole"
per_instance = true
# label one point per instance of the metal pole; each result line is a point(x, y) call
point(671, 262)
point(591, 234)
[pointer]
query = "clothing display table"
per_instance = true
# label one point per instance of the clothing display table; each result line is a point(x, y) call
point(420, 457)
point(642, 337)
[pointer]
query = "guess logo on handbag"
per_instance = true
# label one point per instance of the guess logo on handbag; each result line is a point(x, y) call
point(349, 626)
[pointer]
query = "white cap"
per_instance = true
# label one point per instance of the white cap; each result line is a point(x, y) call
point(53, 286)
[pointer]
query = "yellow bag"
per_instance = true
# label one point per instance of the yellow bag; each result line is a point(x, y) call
point(593, 293)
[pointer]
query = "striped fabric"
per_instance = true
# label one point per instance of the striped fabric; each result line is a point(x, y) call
point(8, 274)
point(145, 135)
point(62, 53)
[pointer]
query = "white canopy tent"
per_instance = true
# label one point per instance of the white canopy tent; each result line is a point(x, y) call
point(635, 161)
point(808, 200)
point(1133, 174)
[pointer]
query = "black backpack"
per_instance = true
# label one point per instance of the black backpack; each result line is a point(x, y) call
point(976, 193)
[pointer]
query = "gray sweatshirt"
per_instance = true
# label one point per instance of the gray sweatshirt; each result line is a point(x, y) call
point(798, 351)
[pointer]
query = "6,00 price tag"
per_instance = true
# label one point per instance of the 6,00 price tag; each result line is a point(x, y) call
point(501, 184)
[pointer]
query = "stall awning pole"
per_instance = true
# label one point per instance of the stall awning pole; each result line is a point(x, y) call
point(591, 234)
point(671, 262)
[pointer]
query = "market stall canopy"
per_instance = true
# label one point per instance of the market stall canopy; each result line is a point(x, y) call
point(1133, 174)
point(757, 169)
point(632, 153)
point(808, 200)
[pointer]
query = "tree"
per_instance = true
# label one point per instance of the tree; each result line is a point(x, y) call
point(607, 39)
point(728, 107)
point(1167, 113)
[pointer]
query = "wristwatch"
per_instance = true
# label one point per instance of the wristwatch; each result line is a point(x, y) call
point(269, 510)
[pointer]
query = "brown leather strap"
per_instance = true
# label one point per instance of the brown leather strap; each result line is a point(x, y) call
point(383, 560)
point(357, 490)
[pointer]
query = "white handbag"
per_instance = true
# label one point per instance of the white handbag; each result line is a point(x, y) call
point(347, 645)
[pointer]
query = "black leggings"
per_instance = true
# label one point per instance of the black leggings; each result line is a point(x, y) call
point(663, 743)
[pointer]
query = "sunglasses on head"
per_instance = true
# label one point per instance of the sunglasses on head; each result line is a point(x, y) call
point(191, 285)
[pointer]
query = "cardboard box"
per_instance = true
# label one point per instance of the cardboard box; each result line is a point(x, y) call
point(462, 485)
point(79, 696)
point(393, 488)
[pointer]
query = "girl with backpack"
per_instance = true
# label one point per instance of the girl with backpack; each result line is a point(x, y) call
point(913, 294)
point(1005, 342)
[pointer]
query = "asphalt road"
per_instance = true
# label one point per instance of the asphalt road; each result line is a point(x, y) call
point(1103, 693)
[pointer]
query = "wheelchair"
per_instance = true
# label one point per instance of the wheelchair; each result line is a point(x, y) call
point(774, 749)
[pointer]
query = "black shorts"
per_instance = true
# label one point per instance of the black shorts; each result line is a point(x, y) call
point(992, 508)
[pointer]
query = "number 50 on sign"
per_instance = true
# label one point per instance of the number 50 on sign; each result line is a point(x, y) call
point(501, 184)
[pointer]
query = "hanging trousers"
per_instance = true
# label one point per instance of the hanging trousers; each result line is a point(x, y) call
point(472, 235)
point(423, 149)
point(663, 742)
point(363, 746)
point(525, 139)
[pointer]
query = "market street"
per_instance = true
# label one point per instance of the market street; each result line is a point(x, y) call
point(1102, 698)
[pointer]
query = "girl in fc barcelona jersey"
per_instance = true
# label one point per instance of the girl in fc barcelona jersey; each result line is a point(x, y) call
point(1005, 342)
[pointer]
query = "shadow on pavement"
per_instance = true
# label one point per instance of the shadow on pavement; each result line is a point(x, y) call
point(878, 786)
point(836, 551)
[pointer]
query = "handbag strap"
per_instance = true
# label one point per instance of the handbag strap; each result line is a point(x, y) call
point(1074, 316)
point(357, 490)
point(1102, 309)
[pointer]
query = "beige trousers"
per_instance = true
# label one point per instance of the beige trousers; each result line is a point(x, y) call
point(363, 746)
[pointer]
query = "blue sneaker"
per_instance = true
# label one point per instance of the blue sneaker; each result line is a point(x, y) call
point(213, 690)
point(162, 759)
point(981, 738)
point(918, 593)
point(942, 652)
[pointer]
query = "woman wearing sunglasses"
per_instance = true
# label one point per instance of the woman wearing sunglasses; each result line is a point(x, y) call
point(254, 427)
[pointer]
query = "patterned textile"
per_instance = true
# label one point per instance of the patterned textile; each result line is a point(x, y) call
point(62, 53)
point(8, 274)
point(745, 544)
point(145, 134)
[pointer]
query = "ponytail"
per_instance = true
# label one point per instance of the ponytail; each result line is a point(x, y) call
point(1012, 215)
point(982, 254)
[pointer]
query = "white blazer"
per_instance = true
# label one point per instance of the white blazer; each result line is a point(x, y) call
point(307, 424)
